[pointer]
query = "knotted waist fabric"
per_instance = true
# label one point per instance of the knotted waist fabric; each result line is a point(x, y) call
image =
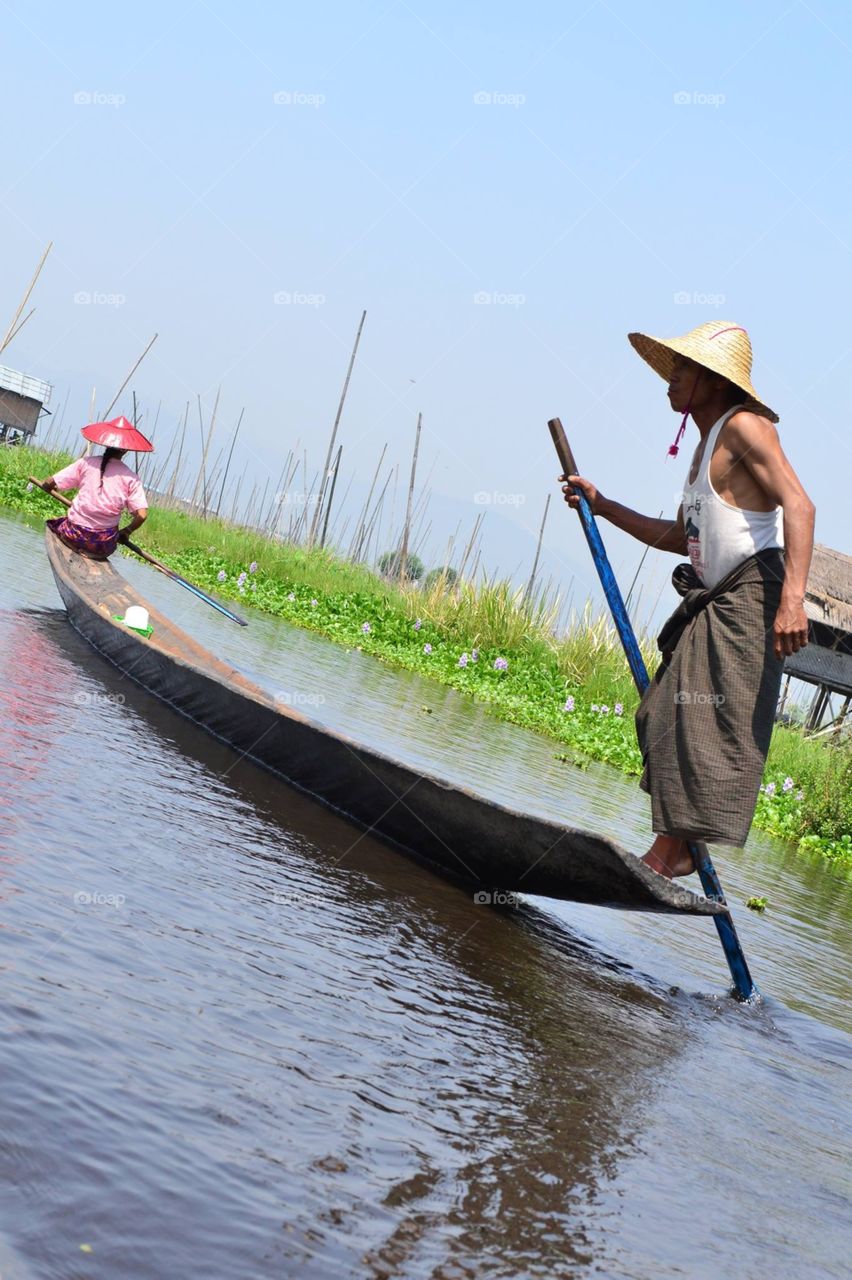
point(705, 721)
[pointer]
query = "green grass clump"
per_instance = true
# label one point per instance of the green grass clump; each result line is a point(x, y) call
point(486, 641)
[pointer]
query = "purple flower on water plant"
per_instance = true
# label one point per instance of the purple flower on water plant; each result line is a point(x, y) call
point(569, 704)
point(595, 707)
point(365, 627)
point(789, 784)
point(500, 664)
point(253, 567)
point(427, 648)
point(30, 487)
point(619, 708)
point(463, 660)
point(291, 596)
point(770, 788)
point(241, 581)
point(418, 624)
point(221, 575)
point(800, 795)
point(314, 604)
point(604, 710)
point(474, 655)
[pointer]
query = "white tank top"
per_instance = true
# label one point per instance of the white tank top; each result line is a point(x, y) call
point(720, 536)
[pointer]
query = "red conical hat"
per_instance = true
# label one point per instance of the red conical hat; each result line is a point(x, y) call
point(117, 434)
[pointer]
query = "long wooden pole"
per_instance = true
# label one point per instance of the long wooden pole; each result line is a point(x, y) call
point(743, 983)
point(531, 583)
point(114, 400)
point(331, 443)
point(14, 327)
point(331, 495)
point(406, 531)
point(355, 549)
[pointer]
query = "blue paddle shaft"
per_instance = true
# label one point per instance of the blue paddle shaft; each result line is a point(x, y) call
point(710, 882)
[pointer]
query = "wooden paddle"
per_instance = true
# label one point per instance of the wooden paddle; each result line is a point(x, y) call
point(710, 882)
point(158, 564)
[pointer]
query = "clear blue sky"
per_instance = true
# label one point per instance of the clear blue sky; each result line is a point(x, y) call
point(584, 190)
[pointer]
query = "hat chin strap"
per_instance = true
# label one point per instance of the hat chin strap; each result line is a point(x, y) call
point(675, 446)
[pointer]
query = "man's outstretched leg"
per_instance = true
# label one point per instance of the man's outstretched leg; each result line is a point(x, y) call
point(669, 857)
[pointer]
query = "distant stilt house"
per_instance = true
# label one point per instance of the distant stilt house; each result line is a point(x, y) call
point(826, 662)
point(22, 401)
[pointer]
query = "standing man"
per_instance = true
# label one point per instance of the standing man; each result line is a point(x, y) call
point(705, 722)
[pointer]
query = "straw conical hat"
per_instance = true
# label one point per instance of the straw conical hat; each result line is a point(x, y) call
point(719, 345)
point(118, 433)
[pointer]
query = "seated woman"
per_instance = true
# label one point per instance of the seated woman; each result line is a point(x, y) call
point(105, 489)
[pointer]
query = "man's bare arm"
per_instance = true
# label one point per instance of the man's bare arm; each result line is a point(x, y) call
point(664, 535)
point(754, 442)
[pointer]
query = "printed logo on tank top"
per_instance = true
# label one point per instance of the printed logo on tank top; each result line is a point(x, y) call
point(691, 515)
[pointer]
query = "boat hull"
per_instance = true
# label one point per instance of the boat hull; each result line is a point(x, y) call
point(492, 848)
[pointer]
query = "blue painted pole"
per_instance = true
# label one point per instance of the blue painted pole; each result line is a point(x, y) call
point(743, 983)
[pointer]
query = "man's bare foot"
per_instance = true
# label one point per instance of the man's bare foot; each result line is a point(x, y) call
point(669, 857)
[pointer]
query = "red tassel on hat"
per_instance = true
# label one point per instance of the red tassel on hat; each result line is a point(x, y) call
point(674, 448)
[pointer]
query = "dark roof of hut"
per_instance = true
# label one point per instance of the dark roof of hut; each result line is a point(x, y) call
point(817, 665)
point(828, 598)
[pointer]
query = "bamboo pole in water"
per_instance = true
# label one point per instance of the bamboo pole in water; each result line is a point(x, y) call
point(375, 518)
point(112, 403)
point(355, 548)
point(331, 495)
point(228, 464)
point(173, 482)
point(333, 438)
point(14, 327)
point(529, 587)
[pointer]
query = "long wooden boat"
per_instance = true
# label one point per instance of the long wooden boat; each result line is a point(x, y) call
point(494, 849)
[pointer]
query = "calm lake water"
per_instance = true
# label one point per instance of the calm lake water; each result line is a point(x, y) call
point(240, 1039)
